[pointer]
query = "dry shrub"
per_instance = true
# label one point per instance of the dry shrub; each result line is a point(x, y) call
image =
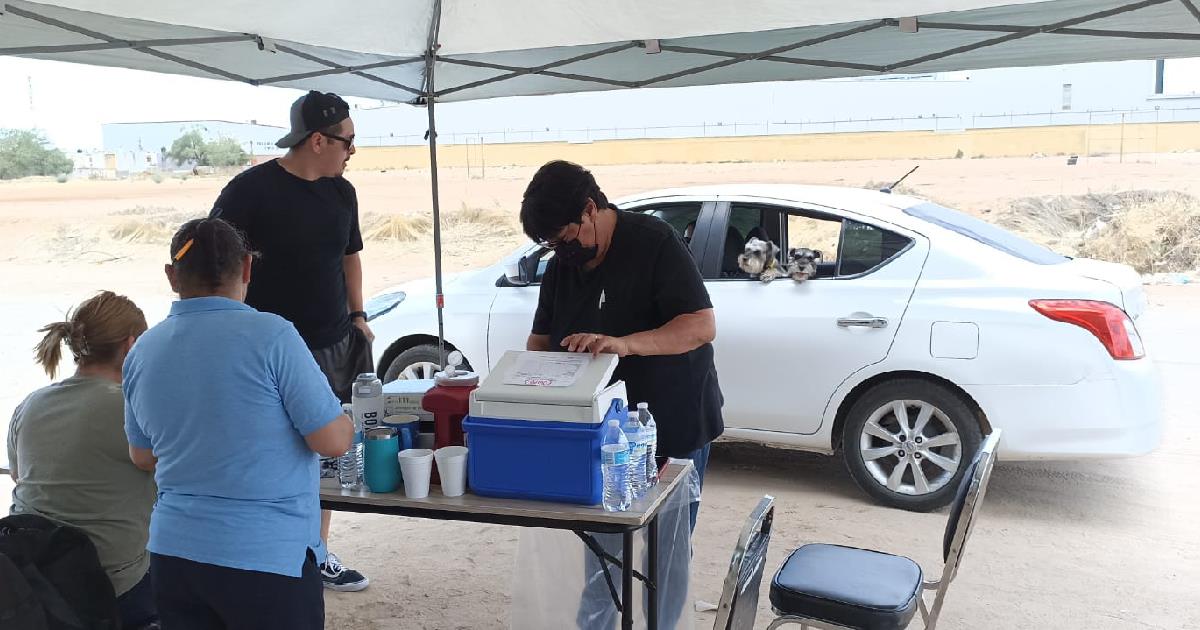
point(464, 222)
point(153, 224)
point(1152, 231)
point(400, 228)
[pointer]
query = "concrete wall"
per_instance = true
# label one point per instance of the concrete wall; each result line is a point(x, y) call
point(1012, 142)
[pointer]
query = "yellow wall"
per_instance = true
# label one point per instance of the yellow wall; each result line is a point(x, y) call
point(1007, 142)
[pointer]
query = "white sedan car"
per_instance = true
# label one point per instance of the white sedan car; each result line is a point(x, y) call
point(923, 329)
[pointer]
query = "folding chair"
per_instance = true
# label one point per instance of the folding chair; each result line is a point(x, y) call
point(739, 597)
point(832, 587)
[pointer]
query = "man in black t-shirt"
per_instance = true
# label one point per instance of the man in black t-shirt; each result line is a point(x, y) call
point(624, 283)
point(301, 216)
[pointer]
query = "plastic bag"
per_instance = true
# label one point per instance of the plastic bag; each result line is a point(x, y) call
point(560, 583)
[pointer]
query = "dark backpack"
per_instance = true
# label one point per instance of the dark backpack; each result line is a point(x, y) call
point(58, 568)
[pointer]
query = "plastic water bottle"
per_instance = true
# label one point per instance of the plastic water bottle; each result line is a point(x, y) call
point(350, 464)
point(367, 397)
point(614, 462)
point(650, 438)
point(637, 454)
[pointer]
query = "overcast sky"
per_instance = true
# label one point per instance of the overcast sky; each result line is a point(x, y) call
point(71, 101)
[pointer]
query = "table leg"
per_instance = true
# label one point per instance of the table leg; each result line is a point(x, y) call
point(627, 583)
point(652, 574)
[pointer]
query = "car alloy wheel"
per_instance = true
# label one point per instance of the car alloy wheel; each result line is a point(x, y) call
point(906, 442)
point(911, 447)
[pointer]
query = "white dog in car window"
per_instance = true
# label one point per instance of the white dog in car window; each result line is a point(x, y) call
point(760, 258)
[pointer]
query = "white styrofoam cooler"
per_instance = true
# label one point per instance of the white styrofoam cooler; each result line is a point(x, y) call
point(404, 396)
point(584, 401)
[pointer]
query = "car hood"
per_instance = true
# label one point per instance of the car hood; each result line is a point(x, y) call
point(425, 286)
point(1125, 278)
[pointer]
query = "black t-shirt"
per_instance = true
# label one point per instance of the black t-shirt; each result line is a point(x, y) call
point(647, 279)
point(302, 230)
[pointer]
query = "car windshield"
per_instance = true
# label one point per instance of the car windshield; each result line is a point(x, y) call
point(986, 233)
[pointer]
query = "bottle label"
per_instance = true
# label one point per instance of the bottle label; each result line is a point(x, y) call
point(616, 457)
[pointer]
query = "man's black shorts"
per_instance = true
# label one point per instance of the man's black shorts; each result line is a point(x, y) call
point(344, 361)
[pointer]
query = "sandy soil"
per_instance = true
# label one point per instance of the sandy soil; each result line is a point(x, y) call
point(1107, 544)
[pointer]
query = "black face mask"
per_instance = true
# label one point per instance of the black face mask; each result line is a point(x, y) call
point(573, 254)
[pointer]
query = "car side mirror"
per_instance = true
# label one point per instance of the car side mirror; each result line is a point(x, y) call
point(522, 273)
point(528, 267)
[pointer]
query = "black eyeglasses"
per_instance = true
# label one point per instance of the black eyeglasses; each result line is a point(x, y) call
point(349, 141)
point(556, 242)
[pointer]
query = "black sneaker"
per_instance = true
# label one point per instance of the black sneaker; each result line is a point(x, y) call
point(339, 578)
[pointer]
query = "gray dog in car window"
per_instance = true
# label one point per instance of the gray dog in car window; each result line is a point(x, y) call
point(760, 258)
point(802, 263)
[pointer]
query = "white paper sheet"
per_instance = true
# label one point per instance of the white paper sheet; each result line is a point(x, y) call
point(541, 370)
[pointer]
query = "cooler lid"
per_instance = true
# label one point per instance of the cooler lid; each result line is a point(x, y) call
point(547, 378)
point(408, 386)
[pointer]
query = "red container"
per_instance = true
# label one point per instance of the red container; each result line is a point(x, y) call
point(449, 401)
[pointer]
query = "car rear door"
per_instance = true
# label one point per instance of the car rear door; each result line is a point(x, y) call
point(783, 348)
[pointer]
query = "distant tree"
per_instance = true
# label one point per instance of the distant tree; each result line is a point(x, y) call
point(226, 152)
point(25, 152)
point(190, 147)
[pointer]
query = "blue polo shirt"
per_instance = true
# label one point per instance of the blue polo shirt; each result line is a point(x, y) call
point(224, 395)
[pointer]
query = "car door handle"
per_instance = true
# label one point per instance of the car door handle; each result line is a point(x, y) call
point(862, 322)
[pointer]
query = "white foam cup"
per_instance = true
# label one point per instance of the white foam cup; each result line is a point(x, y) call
point(416, 465)
point(452, 468)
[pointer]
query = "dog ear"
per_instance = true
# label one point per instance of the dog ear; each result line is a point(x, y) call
point(772, 249)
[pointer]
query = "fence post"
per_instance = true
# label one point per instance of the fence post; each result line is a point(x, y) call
point(1121, 159)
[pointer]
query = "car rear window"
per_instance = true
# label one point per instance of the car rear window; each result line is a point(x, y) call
point(986, 233)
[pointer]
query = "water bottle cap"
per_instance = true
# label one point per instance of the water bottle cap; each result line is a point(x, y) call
point(614, 423)
point(643, 405)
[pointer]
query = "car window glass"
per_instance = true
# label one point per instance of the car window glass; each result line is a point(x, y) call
point(986, 233)
point(820, 234)
point(744, 222)
point(865, 247)
point(681, 217)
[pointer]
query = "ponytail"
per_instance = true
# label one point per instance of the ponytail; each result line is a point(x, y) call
point(95, 332)
point(48, 351)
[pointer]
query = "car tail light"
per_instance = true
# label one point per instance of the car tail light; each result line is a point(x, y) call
point(1106, 321)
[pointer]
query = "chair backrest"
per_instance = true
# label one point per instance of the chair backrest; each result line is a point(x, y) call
point(966, 504)
point(739, 597)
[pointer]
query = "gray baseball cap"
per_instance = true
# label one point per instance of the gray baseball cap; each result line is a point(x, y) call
point(311, 112)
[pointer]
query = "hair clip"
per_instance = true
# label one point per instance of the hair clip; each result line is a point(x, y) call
point(183, 250)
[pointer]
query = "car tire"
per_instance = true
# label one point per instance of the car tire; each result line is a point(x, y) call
point(880, 436)
point(417, 362)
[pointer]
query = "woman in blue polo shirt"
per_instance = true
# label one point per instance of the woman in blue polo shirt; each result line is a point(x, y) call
point(229, 406)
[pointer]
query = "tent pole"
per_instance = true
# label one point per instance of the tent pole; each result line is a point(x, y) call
point(430, 96)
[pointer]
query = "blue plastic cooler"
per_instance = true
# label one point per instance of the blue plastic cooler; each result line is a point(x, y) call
point(537, 459)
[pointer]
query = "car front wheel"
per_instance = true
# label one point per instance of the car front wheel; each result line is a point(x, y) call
point(907, 443)
point(417, 362)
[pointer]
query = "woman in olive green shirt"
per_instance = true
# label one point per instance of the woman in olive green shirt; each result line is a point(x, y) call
point(68, 454)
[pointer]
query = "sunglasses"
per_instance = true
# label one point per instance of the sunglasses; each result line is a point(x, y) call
point(349, 141)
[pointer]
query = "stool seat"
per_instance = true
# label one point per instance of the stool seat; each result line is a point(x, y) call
point(858, 588)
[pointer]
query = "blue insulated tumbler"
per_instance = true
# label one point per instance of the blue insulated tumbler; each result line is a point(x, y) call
point(382, 472)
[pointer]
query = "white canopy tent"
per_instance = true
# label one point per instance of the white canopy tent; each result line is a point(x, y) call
point(428, 51)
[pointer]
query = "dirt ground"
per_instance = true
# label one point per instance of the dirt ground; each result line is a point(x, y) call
point(1104, 544)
